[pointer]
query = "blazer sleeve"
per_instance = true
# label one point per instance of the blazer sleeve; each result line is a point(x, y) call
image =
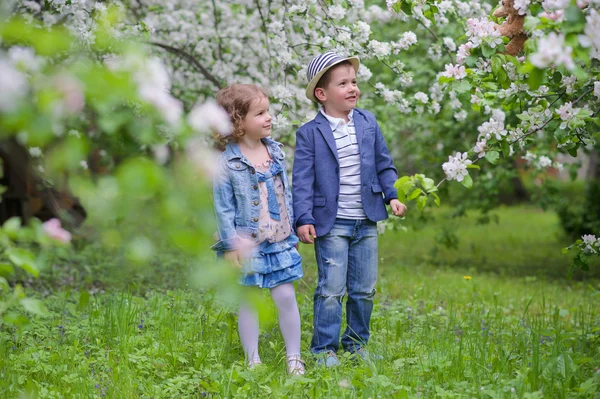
point(303, 178)
point(386, 171)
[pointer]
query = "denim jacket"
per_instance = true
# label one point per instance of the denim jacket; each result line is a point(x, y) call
point(237, 197)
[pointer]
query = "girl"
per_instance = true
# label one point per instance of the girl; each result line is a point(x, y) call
point(253, 204)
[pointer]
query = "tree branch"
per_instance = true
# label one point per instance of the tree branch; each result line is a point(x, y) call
point(193, 61)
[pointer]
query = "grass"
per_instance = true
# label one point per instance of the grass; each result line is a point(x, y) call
point(495, 335)
point(524, 241)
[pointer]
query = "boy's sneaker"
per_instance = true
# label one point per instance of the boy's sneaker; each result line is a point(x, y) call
point(367, 356)
point(327, 359)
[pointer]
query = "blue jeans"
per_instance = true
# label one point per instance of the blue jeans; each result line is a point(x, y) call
point(347, 259)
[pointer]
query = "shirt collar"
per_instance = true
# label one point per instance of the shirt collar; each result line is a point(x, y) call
point(335, 122)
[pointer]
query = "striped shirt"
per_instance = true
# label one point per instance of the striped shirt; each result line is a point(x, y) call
point(350, 200)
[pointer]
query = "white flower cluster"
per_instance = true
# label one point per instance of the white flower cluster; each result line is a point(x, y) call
point(408, 39)
point(380, 49)
point(553, 52)
point(590, 244)
point(592, 34)
point(480, 148)
point(455, 71)
point(283, 94)
point(13, 85)
point(456, 167)
point(542, 161)
point(208, 117)
point(567, 113)
point(463, 52)
point(522, 6)
point(482, 31)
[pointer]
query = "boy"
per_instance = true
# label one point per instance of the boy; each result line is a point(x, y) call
point(342, 178)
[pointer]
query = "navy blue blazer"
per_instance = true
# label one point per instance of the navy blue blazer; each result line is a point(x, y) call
point(316, 173)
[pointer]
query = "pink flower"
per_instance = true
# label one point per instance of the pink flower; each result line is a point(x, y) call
point(53, 229)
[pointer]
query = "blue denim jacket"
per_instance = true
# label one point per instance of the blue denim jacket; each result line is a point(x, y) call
point(237, 197)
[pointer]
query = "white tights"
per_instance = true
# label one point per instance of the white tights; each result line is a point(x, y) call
point(289, 323)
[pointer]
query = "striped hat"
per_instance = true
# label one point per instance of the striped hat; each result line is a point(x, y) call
point(321, 64)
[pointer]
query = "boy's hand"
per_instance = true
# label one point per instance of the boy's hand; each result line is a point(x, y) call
point(307, 233)
point(235, 258)
point(398, 208)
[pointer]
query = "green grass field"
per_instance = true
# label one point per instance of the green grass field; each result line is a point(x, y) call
point(491, 319)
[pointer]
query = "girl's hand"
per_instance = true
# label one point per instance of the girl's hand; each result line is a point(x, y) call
point(398, 208)
point(307, 233)
point(235, 258)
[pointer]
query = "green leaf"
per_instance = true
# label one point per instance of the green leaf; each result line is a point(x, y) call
point(492, 157)
point(461, 86)
point(34, 306)
point(505, 149)
point(488, 51)
point(416, 192)
point(436, 199)
point(421, 202)
point(428, 184)
point(84, 299)
point(574, 15)
point(400, 182)
point(4, 284)
point(12, 226)
point(23, 259)
point(6, 269)
point(473, 166)
point(536, 77)
point(467, 181)
point(406, 7)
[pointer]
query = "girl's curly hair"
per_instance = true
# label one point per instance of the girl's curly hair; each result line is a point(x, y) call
point(236, 100)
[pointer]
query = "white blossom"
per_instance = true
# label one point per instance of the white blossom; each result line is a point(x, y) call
point(591, 37)
point(461, 115)
point(522, 6)
point(337, 12)
point(13, 85)
point(35, 152)
point(479, 148)
point(380, 49)
point(456, 167)
point(483, 31)
point(449, 43)
point(210, 117)
point(552, 52)
point(455, 71)
point(422, 97)
point(463, 52)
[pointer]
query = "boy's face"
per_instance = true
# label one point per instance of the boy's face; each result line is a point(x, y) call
point(257, 122)
point(341, 94)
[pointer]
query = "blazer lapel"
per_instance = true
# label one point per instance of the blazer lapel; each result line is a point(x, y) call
point(325, 129)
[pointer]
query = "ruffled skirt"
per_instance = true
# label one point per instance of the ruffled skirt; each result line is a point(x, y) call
point(273, 264)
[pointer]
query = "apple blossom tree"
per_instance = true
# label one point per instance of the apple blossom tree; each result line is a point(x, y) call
point(453, 103)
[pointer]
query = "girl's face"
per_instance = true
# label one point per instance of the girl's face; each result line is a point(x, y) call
point(257, 122)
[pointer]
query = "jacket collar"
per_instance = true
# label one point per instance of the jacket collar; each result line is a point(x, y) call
point(232, 150)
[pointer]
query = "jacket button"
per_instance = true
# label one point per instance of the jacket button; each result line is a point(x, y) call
point(254, 235)
point(254, 203)
point(255, 219)
point(237, 165)
point(255, 186)
point(252, 171)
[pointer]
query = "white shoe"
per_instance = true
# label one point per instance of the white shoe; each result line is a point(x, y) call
point(295, 365)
